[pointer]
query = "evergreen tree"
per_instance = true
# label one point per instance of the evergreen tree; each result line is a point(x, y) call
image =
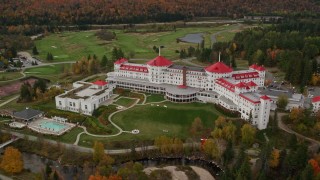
point(104, 61)
point(245, 170)
point(307, 173)
point(35, 50)
point(228, 154)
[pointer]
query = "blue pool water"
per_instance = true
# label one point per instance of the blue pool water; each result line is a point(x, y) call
point(53, 126)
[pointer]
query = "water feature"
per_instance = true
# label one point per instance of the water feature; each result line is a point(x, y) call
point(56, 127)
point(192, 38)
point(37, 164)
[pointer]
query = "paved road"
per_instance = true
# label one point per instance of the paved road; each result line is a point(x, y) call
point(89, 150)
point(314, 143)
point(9, 100)
point(3, 177)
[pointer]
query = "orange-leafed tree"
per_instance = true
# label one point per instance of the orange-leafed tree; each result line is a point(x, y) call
point(274, 158)
point(97, 176)
point(114, 177)
point(315, 166)
point(12, 161)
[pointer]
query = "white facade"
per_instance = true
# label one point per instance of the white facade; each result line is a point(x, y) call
point(85, 97)
point(218, 83)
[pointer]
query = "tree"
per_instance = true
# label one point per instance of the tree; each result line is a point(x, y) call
point(245, 170)
point(296, 115)
point(248, 134)
point(196, 127)
point(164, 144)
point(315, 166)
point(35, 50)
point(307, 173)
point(274, 158)
point(97, 176)
point(12, 161)
point(132, 171)
point(211, 148)
point(49, 57)
point(98, 151)
point(48, 170)
point(228, 154)
point(282, 102)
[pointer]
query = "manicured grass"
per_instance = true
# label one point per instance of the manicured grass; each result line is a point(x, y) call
point(225, 36)
point(123, 101)
point(154, 121)
point(155, 98)
point(67, 46)
point(5, 76)
point(176, 119)
point(47, 70)
point(69, 137)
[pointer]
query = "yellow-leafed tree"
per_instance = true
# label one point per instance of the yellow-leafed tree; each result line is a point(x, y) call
point(12, 161)
point(274, 158)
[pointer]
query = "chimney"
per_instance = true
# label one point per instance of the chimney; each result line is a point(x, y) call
point(184, 76)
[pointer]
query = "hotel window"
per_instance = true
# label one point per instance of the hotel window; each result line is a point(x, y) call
point(60, 103)
point(85, 106)
point(70, 103)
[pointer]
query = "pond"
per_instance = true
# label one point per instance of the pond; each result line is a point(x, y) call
point(37, 164)
point(192, 38)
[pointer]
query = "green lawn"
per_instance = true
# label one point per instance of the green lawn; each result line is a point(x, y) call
point(153, 121)
point(123, 101)
point(69, 137)
point(176, 118)
point(5, 76)
point(155, 98)
point(68, 46)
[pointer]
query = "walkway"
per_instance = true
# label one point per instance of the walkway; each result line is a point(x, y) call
point(8, 142)
point(89, 150)
point(110, 120)
point(9, 100)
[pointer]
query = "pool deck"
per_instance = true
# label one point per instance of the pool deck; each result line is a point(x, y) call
point(36, 126)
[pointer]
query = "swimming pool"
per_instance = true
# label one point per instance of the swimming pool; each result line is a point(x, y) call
point(53, 126)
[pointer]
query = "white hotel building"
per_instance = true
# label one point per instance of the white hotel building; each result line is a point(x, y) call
point(218, 83)
point(85, 97)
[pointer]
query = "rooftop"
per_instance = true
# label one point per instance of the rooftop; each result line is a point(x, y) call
point(160, 61)
point(100, 83)
point(27, 114)
point(189, 68)
point(121, 61)
point(219, 67)
point(252, 97)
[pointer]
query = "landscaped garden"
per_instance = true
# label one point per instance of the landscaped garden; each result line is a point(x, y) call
point(155, 98)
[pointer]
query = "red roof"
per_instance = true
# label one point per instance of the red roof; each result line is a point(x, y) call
point(226, 84)
point(100, 83)
point(246, 75)
point(218, 67)
point(159, 61)
point(121, 61)
point(182, 86)
point(265, 97)
point(241, 85)
point(134, 68)
point(251, 83)
point(316, 99)
point(258, 68)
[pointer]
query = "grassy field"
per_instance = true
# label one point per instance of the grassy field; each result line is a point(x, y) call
point(5, 76)
point(123, 101)
point(74, 45)
point(153, 121)
point(50, 72)
point(155, 98)
point(176, 118)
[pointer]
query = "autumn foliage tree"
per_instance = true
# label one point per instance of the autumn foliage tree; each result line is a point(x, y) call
point(98, 151)
point(274, 158)
point(248, 134)
point(196, 127)
point(315, 166)
point(12, 161)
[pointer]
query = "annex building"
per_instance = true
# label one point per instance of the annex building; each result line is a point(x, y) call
point(85, 97)
point(218, 83)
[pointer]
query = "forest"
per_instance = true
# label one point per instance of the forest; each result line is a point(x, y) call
point(34, 16)
point(292, 46)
